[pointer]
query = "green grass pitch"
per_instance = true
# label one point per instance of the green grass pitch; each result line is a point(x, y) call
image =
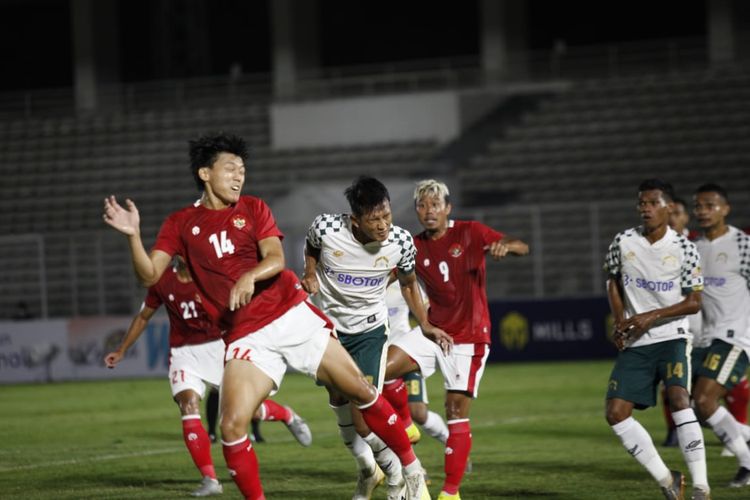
point(538, 431)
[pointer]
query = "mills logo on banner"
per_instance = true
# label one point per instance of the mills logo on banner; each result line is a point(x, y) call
point(551, 330)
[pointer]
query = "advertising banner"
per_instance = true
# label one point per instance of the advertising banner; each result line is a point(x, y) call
point(33, 351)
point(563, 329)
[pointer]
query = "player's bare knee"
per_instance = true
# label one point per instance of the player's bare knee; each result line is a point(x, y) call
point(365, 393)
point(233, 426)
point(616, 413)
point(705, 404)
point(189, 402)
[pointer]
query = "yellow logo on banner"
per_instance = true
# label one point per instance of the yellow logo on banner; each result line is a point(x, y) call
point(514, 331)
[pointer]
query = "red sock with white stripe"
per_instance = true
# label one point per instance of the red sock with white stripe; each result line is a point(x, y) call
point(243, 467)
point(737, 400)
point(395, 392)
point(381, 418)
point(457, 450)
point(271, 410)
point(198, 444)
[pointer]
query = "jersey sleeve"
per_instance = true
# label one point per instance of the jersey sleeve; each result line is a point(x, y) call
point(744, 251)
point(168, 240)
point(265, 224)
point(315, 233)
point(152, 300)
point(691, 278)
point(486, 234)
point(612, 260)
point(407, 262)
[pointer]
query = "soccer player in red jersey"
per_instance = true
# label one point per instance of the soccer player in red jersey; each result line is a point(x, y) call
point(233, 249)
point(196, 359)
point(451, 265)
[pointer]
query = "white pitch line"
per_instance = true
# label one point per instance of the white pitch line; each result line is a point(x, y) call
point(97, 458)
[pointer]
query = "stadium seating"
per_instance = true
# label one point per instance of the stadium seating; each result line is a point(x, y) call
point(595, 143)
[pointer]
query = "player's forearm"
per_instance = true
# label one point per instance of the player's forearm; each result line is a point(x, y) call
point(143, 266)
point(517, 247)
point(311, 264)
point(268, 267)
point(691, 304)
point(615, 299)
point(137, 326)
point(413, 299)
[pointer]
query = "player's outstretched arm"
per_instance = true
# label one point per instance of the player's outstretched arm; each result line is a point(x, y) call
point(310, 277)
point(501, 248)
point(148, 268)
point(270, 264)
point(134, 332)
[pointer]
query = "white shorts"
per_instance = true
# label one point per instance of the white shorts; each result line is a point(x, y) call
point(194, 366)
point(462, 369)
point(297, 339)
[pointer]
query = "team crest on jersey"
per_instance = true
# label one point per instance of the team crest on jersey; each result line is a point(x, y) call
point(197, 298)
point(239, 221)
point(426, 262)
point(196, 230)
point(381, 261)
point(722, 257)
point(456, 250)
point(171, 297)
point(669, 261)
point(630, 255)
point(338, 253)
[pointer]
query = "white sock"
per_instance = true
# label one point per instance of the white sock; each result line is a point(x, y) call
point(639, 444)
point(386, 459)
point(435, 427)
point(690, 437)
point(357, 447)
point(728, 431)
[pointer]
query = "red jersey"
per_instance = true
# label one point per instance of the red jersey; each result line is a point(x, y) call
point(219, 247)
point(453, 271)
point(188, 321)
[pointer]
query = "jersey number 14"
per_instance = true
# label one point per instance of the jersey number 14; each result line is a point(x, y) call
point(222, 245)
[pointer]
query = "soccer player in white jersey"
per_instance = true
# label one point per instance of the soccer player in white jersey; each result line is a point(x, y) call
point(654, 282)
point(348, 260)
point(725, 258)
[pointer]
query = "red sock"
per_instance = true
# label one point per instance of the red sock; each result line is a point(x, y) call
point(737, 400)
point(457, 450)
point(274, 411)
point(382, 419)
point(243, 467)
point(666, 410)
point(395, 392)
point(198, 444)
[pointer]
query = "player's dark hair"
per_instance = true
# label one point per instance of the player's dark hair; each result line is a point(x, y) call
point(710, 187)
point(679, 201)
point(205, 150)
point(366, 194)
point(658, 184)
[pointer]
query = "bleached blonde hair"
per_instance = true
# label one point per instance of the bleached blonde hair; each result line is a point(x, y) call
point(433, 189)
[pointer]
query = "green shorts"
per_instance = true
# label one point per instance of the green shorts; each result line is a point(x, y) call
point(369, 350)
point(416, 387)
point(724, 363)
point(696, 359)
point(638, 371)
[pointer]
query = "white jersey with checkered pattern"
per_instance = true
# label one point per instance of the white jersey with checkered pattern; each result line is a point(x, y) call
point(353, 277)
point(654, 276)
point(726, 298)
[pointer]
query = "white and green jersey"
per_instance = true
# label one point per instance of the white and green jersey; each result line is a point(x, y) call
point(726, 299)
point(353, 277)
point(654, 276)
